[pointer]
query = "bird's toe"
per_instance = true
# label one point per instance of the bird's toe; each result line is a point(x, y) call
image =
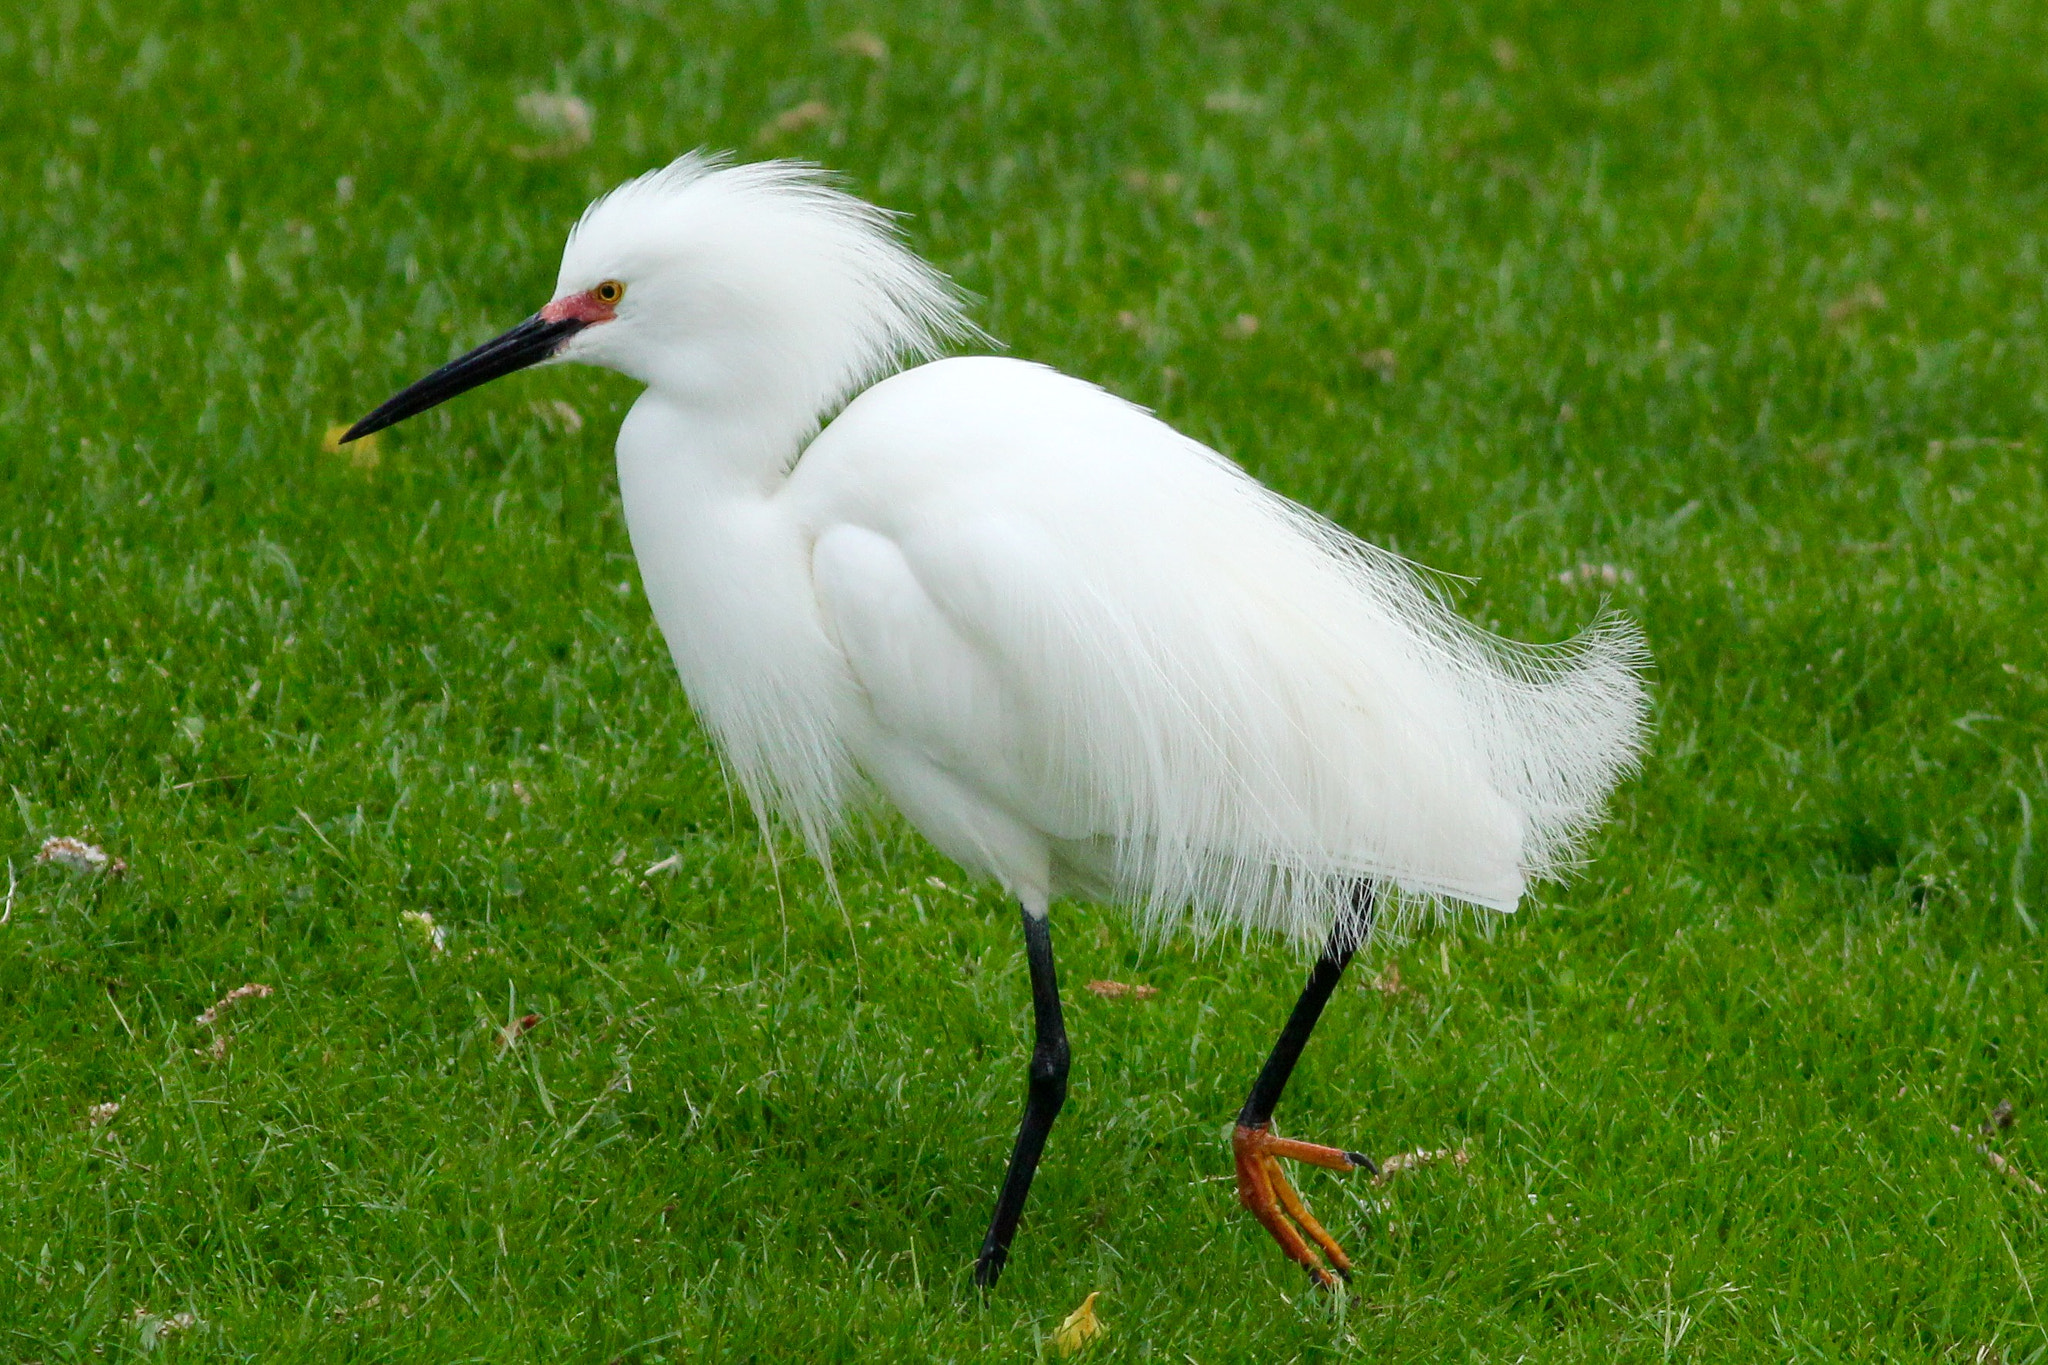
point(1265, 1191)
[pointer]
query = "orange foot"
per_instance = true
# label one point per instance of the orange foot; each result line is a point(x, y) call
point(1263, 1188)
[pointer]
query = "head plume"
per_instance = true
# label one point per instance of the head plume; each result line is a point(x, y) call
point(767, 282)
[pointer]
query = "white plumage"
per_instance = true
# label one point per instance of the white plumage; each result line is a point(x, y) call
point(1079, 651)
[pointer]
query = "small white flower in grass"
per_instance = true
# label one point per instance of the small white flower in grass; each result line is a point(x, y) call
point(252, 990)
point(1606, 575)
point(157, 1328)
point(1409, 1161)
point(346, 1311)
point(430, 933)
point(75, 854)
point(1141, 181)
point(562, 117)
point(558, 416)
point(1388, 982)
point(1231, 102)
point(100, 1115)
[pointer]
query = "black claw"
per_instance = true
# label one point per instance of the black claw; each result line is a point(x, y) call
point(1363, 1162)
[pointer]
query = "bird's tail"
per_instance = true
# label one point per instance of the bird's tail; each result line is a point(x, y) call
point(1423, 753)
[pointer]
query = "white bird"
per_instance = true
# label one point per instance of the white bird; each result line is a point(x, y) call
point(1083, 654)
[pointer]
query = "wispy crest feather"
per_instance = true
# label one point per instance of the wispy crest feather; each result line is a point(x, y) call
point(866, 297)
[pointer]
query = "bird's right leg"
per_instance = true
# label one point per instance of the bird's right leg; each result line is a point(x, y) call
point(1042, 1100)
point(1262, 1186)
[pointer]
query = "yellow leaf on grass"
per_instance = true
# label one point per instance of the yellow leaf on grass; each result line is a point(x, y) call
point(1117, 990)
point(810, 114)
point(861, 43)
point(364, 452)
point(1080, 1328)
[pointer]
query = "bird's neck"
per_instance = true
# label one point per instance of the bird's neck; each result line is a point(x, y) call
point(727, 569)
point(720, 448)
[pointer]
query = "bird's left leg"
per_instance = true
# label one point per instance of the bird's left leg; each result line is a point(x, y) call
point(1262, 1186)
point(1042, 1100)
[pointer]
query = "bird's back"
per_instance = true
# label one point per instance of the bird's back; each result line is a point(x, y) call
point(1209, 701)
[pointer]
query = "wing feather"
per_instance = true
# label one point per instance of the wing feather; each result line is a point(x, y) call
point(1222, 706)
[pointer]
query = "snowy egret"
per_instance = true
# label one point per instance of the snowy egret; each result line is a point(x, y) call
point(1082, 653)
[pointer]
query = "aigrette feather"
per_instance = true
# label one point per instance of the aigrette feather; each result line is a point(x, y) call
point(1081, 651)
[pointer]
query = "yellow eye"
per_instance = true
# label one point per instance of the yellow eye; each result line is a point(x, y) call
point(611, 291)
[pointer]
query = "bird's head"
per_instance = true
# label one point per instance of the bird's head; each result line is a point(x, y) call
point(725, 287)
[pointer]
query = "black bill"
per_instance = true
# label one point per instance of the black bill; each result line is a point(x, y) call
point(531, 342)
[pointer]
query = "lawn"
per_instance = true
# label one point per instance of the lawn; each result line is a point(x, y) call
point(1726, 315)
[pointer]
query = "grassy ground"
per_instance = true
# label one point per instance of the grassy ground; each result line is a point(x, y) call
point(1729, 314)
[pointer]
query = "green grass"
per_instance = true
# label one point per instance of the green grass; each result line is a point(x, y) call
point(1744, 300)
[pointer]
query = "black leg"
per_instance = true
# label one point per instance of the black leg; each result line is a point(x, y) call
point(1042, 1101)
point(1345, 936)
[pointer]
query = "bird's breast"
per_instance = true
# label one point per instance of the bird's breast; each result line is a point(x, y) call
point(726, 569)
